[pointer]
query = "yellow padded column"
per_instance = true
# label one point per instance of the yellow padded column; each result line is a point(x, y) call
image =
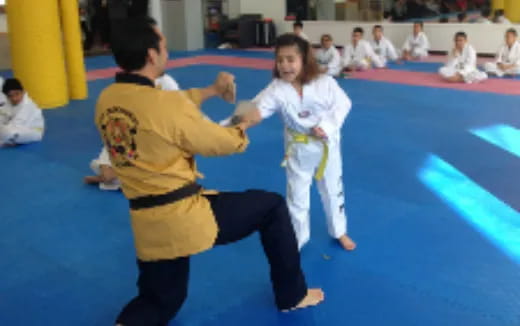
point(512, 10)
point(73, 49)
point(497, 4)
point(37, 50)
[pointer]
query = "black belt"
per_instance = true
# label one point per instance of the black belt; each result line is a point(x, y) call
point(168, 198)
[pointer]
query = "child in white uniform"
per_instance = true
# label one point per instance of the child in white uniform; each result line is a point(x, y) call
point(3, 101)
point(500, 17)
point(105, 176)
point(507, 61)
point(313, 108)
point(462, 63)
point(328, 57)
point(166, 83)
point(298, 30)
point(485, 15)
point(21, 120)
point(416, 45)
point(383, 47)
point(359, 55)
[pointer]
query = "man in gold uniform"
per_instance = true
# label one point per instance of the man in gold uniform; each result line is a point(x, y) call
point(152, 137)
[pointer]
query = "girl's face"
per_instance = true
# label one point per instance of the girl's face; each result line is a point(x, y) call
point(289, 63)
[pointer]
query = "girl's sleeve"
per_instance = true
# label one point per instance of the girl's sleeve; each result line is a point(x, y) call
point(266, 101)
point(340, 107)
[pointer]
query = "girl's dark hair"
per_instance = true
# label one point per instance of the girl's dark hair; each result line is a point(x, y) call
point(310, 69)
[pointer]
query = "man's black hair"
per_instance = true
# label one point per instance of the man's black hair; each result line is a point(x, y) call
point(131, 40)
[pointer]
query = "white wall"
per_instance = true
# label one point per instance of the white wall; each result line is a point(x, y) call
point(231, 8)
point(3, 23)
point(485, 38)
point(274, 9)
point(194, 24)
point(182, 24)
point(156, 12)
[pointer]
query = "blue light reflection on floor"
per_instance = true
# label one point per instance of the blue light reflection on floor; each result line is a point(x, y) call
point(489, 215)
point(503, 136)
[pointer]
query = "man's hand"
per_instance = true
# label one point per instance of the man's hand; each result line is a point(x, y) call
point(225, 86)
point(248, 119)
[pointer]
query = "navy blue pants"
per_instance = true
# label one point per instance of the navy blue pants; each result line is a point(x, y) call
point(163, 285)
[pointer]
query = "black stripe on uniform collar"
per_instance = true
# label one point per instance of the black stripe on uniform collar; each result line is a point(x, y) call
point(125, 77)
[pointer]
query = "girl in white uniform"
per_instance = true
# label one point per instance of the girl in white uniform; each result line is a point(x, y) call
point(328, 57)
point(166, 83)
point(416, 45)
point(101, 166)
point(21, 120)
point(359, 55)
point(383, 47)
point(313, 108)
point(462, 63)
point(507, 60)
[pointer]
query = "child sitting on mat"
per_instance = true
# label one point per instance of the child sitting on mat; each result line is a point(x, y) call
point(359, 54)
point(416, 45)
point(507, 61)
point(462, 64)
point(21, 120)
point(328, 57)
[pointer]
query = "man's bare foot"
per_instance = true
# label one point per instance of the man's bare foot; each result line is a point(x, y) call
point(92, 179)
point(313, 298)
point(347, 243)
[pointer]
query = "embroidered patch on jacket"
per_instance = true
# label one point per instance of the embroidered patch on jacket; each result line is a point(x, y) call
point(119, 127)
point(304, 114)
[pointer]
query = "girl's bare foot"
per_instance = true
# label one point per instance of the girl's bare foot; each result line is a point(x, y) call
point(347, 243)
point(313, 298)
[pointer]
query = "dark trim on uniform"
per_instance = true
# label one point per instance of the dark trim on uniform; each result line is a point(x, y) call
point(168, 198)
point(125, 77)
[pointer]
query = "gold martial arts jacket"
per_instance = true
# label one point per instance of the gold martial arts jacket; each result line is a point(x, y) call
point(152, 136)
